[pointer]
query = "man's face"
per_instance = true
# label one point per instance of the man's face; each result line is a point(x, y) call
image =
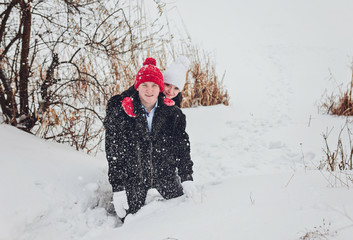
point(170, 90)
point(148, 92)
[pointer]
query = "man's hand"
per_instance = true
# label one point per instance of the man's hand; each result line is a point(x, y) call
point(120, 203)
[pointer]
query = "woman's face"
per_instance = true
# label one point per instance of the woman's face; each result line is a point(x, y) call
point(170, 90)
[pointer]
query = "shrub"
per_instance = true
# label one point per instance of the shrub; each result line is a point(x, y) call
point(338, 158)
point(340, 103)
point(203, 86)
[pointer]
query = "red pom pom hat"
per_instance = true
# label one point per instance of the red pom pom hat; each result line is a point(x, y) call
point(149, 73)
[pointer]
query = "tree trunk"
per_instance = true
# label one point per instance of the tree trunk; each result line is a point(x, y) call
point(24, 68)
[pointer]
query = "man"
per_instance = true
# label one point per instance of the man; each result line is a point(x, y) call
point(146, 144)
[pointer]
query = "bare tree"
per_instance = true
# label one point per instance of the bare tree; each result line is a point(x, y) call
point(60, 60)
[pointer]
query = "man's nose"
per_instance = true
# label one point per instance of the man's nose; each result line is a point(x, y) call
point(149, 89)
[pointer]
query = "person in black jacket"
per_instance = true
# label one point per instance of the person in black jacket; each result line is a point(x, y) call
point(174, 80)
point(146, 144)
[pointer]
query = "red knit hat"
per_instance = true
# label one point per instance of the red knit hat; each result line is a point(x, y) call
point(149, 73)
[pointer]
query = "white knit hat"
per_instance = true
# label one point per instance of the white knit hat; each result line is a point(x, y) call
point(176, 72)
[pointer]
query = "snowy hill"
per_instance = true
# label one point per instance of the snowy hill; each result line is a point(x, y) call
point(255, 161)
point(251, 184)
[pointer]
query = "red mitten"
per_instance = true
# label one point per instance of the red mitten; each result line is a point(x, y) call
point(128, 106)
point(169, 102)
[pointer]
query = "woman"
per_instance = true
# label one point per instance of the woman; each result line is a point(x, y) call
point(174, 81)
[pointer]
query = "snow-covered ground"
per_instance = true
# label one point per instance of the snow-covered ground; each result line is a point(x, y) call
point(255, 160)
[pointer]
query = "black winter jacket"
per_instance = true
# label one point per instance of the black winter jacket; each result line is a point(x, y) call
point(137, 156)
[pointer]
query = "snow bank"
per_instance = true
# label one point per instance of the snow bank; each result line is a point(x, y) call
point(49, 190)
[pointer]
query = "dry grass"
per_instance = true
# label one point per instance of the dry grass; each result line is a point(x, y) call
point(338, 157)
point(344, 107)
point(203, 86)
point(340, 104)
point(321, 232)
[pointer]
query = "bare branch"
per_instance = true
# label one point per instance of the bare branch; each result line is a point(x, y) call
point(5, 15)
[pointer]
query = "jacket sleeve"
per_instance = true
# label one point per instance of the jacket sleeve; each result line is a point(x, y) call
point(182, 149)
point(113, 147)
